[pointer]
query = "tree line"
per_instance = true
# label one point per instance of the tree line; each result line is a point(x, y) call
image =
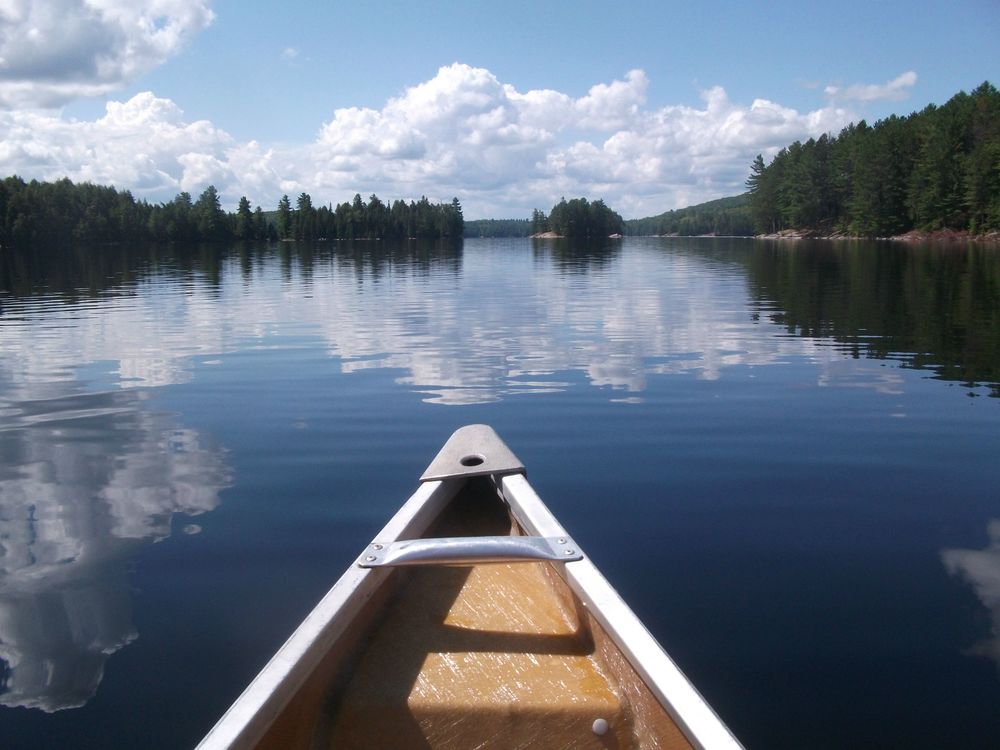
point(934, 169)
point(498, 228)
point(61, 212)
point(370, 220)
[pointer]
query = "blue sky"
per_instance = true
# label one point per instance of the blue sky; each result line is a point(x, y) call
point(508, 106)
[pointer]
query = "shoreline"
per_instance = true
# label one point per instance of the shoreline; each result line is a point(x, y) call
point(557, 236)
point(913, 236)
point(938, 235)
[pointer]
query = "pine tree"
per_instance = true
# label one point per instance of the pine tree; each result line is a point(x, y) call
point(244, 220)
point(284, 218)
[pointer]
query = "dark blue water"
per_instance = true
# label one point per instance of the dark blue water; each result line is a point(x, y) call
point(784, 457)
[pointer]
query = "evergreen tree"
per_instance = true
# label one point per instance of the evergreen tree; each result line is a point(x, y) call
point(539, 222)
point(284, 218)
point(244, 220)
point(261, 229)
point(304, 219)
point(209, 219)
point(455, 222)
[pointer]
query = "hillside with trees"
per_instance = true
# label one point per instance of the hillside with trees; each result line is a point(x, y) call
point(63, 213)
point(937, 169)
point(728, 217)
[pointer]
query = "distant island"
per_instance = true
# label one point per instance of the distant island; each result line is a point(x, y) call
point(577, 218)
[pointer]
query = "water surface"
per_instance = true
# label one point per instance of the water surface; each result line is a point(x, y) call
point(783, 455)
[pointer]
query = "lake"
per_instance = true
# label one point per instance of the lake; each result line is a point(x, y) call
point(783, 455)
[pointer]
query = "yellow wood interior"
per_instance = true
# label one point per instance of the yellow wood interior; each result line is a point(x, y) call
point(488, 656)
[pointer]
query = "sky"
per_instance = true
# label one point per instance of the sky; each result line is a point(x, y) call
point(508, 106)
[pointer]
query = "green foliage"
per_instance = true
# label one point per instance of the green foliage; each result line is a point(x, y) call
point(580, 218)
point(61, 213)
point(284, 218)
point(725, 216)
point(935, 169)
point(539, 222)
point(210, 221)
point(499, 228)
point(374, 219)
point(244, 227)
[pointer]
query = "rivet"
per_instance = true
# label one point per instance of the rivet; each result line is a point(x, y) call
point(562, 541)
point(570, 552)
point(376, 546)
point(371, 558)
point(600, 726)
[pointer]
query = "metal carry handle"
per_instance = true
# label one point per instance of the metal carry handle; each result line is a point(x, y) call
point(465, 550)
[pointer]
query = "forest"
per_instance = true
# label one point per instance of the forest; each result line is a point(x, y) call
point(937, 169)
point(61, 213)
point(578, 218)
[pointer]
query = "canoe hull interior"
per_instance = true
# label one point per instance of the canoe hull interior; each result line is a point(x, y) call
point(500, 655)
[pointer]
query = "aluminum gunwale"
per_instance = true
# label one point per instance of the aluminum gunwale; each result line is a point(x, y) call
point(695, 717)
point(246, 721)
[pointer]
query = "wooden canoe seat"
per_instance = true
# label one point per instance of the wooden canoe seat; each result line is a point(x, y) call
point(502, 663)
point(489, 656)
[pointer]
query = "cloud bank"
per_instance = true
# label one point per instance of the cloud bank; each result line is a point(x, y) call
point(54, 52)
point(462, 133)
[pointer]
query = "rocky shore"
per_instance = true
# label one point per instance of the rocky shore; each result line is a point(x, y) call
point(557, 236)
point(939, 235)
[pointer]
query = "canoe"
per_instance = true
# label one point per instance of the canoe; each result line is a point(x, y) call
point(472, 620)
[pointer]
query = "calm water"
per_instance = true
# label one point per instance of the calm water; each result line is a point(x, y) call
point(784, 456)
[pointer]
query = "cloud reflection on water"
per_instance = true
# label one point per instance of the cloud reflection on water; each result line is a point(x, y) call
point(85, 478)
point(981, 569)
point(508, 322)
point(89, 470)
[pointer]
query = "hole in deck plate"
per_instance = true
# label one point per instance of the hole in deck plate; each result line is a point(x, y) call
point(472, 460)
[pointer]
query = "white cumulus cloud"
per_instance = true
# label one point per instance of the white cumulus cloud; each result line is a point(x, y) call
point(54, 51)
point(895, 90)
point(144, 144)
point(462, 133)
